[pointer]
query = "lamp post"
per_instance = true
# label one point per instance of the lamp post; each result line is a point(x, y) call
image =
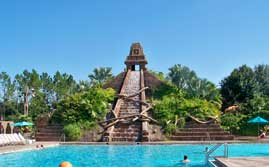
point(27, 93)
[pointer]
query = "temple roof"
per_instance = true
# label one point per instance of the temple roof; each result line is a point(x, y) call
point(136, 56)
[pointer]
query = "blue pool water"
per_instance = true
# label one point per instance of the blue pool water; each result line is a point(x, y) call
point(125, 155)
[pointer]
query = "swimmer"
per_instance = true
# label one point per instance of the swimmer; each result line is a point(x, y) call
point(185, 159)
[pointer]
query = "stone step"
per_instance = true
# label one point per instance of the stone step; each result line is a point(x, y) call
point(46, 130)
point(198, 129)
point(49, 127)
point(124, 139)
point(48, 138)
point(202, 138)
point(135, 108)
point(199, 133)
point(127, 126)
point(39, 134)
point(121, 130)
point(126, 115)
point(202, 126)
point(49, 133)
point(129, 111)
point(126, 135)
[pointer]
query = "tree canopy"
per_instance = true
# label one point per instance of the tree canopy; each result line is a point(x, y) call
point(100, 75)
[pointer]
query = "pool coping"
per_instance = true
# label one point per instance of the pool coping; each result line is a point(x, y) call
point(166, 142)
point(28, 147)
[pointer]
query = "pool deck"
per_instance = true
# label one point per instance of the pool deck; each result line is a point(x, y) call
point(27, 147)
point(243, 162)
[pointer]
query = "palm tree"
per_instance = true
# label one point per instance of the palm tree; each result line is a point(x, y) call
point(100, 75)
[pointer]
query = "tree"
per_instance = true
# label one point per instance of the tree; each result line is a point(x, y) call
point(239, 87)
point(28, 79)
point(64, 85)
point(83, 86)
point(194, 86)
point(47, 88)
point(7, 87)
point(38, 105)
point(262, 78)
point(182, 77)
point(28, 84)
point(100, 75)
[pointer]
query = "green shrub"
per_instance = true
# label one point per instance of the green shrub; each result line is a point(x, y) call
point(72, 132)
point(181, 122)
point(231, 122)
point(170, 129)
point(91, 105)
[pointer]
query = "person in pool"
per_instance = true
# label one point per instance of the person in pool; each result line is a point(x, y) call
point(185, 159)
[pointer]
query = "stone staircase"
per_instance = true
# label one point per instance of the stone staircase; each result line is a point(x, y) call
point(201, 132)
point(129, 130)
point(49, 132)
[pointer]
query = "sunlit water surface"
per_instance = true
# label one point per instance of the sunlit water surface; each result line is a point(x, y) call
point(125, 155)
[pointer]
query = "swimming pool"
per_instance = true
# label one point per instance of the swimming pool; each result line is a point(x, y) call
point(125, 155)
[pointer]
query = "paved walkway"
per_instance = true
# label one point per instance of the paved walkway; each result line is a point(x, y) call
point(244, 162)
point(17, 148)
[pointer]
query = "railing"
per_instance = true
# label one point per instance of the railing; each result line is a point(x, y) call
point(62, 136)
point(117, 106)
point(213, 149)
point(208, 137)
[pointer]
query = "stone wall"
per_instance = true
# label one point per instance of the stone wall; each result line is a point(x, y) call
point(6, 127)
point(116, 82)
point(152, 82)
point(156, 133)
point(93, 135)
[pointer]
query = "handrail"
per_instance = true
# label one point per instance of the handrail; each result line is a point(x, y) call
point(62, 135)
point(208, 136)
point(213, 149)
point(118, 103)
point(144, 111)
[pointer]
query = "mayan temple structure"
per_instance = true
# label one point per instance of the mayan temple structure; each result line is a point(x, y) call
point(130, 118)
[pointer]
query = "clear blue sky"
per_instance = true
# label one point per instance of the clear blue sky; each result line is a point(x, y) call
point(211, 37)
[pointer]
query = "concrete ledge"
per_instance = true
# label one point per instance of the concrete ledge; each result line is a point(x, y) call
point(153, 143)
point(17, 148)
point(244, 162)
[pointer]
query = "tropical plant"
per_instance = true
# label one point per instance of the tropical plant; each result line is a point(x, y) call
point(239, 87)
point(194, 86)
point(91, 105)
point(72, 132)
point(100, 75)
point(232, 122)
point(175, 109)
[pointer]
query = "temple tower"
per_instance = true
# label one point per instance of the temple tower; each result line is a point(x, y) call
point(130, 117)
point(136, 57)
